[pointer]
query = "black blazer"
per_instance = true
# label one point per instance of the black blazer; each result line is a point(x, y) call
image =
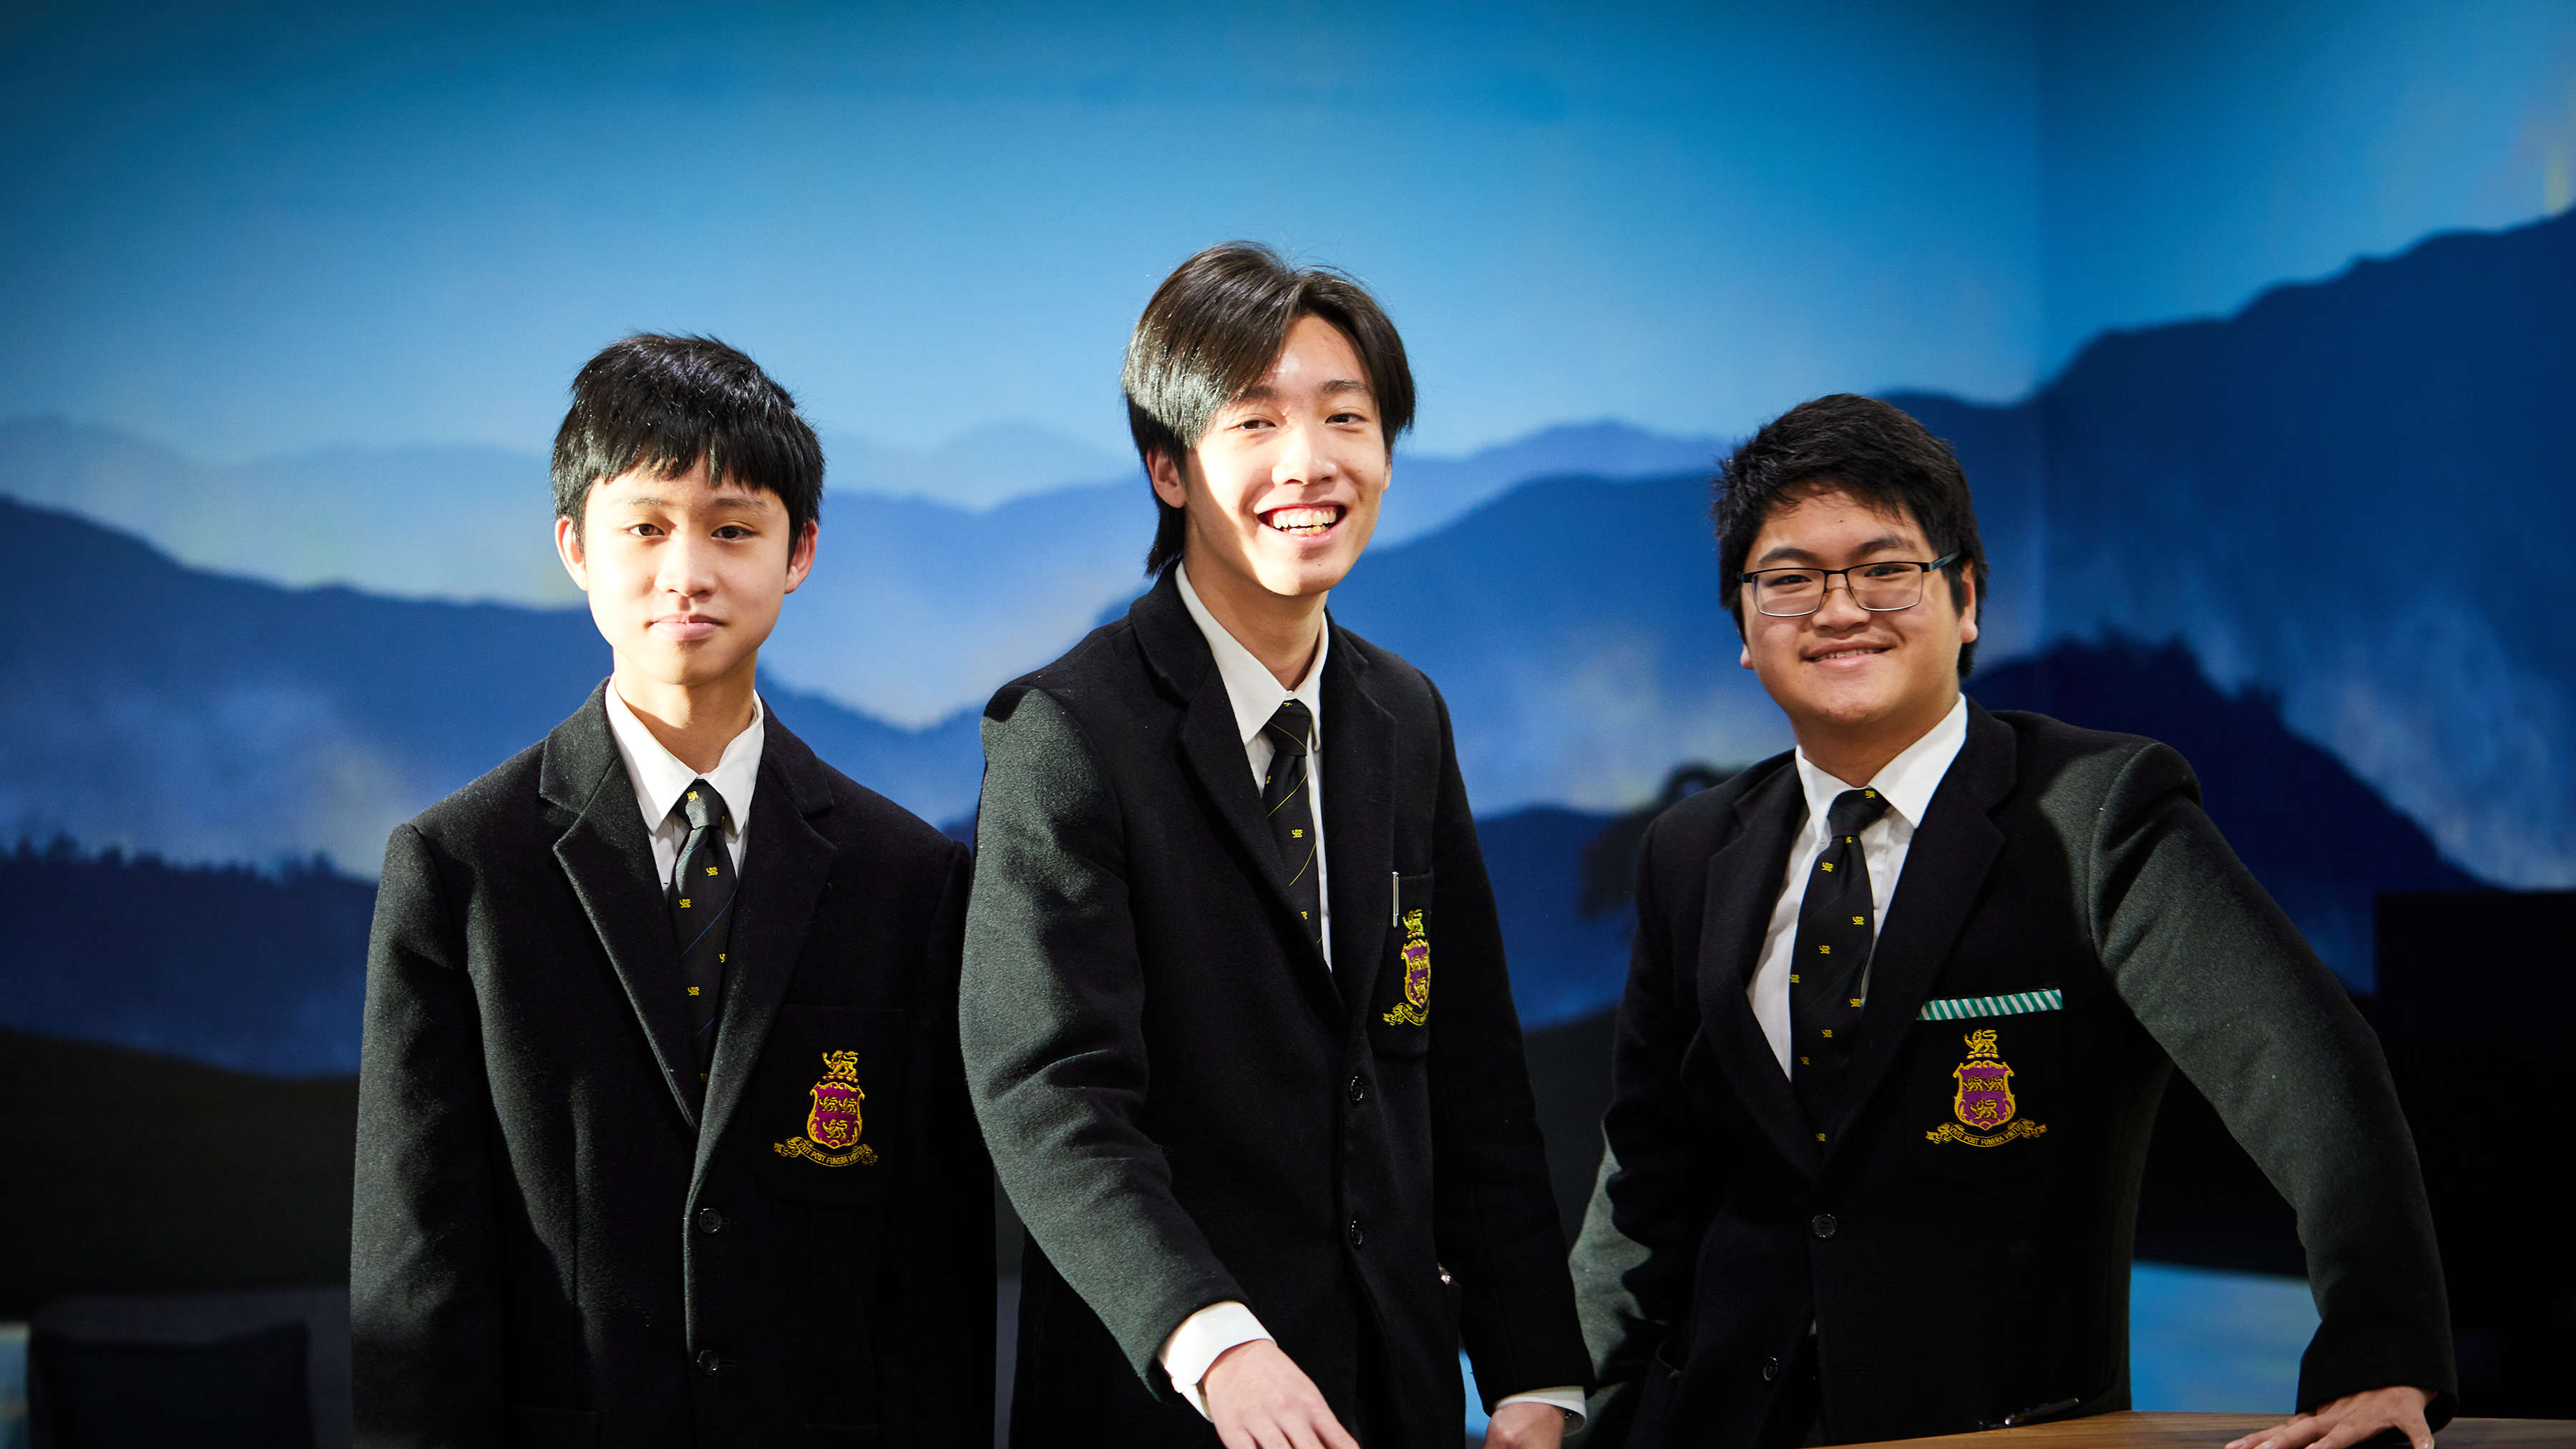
point(1187, 1107)
point(1953, 1283)
point(554, 1245)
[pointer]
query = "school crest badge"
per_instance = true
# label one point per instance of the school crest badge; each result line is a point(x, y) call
point(1415, 1008)
point(1987, 1114)
point(832, 1128)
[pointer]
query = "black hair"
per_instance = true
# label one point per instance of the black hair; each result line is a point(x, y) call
point(663, 403)
point(1213, 329)
point(1869, 449)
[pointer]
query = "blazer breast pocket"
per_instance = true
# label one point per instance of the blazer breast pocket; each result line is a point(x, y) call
point(827, 1103)
point(1983, 1084)
point(1399, 1010)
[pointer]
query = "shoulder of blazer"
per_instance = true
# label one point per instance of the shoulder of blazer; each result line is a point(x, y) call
point(2072, 771)
point(847, 811)
point(498, 810)
point(1105, 667)
point(1692, 830)
point(1398, 687)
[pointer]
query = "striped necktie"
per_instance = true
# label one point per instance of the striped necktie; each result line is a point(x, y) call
point(1291, 809)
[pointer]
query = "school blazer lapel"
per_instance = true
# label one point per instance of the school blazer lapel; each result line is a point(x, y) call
point(1945, 868)
point(1359, 824)
point(1743, 883)
point(607, 857)
point(1213, 752)
point(786, 864)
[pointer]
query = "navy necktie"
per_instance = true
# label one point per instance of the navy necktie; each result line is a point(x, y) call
point(701, 898)
point(1835, 935)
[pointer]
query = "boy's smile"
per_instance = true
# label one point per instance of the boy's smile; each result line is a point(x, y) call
point(685, 579)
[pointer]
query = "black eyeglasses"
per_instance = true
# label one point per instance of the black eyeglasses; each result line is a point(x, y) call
point(1881, 586)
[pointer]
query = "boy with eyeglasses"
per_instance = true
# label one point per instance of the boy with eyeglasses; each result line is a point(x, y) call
point(1902, 1003)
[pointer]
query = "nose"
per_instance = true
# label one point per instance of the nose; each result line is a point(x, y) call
point(1301, 459)
point(686, 567)
point(1839, 610)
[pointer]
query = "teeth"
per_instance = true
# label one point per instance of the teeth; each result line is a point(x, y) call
point(1304, 520)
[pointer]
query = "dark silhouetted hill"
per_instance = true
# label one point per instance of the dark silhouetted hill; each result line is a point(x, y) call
point(2357, 495)
point(265, 972)
point(2321, 841)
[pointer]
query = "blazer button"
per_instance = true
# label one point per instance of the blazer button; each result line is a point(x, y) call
point(1359, 1090)
point(1771, 1371)
point(710, 1221)
point(1355, 1235)
point(708, 1363)
point(1823, 1224)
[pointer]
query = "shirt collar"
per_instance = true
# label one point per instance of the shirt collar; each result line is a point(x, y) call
point(1906, 781)
point(659, 777)
point(1249, 685)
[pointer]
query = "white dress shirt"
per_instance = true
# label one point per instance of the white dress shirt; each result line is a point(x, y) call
point(1907, 783)
point(1256, 695)
point(660, 779)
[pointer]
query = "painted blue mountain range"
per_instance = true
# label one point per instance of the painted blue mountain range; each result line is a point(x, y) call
point(262, 970)
point(2356, 494)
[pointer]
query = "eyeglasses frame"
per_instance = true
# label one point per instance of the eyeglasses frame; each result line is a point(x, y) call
point(1750, 576)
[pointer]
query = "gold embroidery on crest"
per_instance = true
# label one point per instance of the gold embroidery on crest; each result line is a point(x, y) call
point(1415, 1008)
point(1984, 1099)
point(835, 1122)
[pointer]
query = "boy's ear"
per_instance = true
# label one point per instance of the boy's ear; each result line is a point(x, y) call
point(800, 557)
point(1170, 483)
point(568, 548)
point(1968, 613)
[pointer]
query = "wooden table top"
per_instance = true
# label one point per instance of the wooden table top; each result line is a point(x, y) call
point(2210, 1431)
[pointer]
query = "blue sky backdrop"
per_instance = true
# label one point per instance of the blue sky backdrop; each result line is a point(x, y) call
point(275, 228)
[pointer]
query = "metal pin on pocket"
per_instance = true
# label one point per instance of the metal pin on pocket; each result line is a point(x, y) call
point(1395, 898)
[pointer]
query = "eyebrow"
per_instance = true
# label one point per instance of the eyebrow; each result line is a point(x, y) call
point(1264, 392)
point(734, 493)
point(1796, 555)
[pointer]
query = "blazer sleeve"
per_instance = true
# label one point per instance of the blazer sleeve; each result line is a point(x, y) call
point(1051, 1019)
point(425, 1310)
point(1633, 1263)
point(2218, 975)
point(1494, 1217)
point(955, 1283)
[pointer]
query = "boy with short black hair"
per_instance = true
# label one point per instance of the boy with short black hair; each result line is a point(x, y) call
point(1241, 1035)
point(662, 1133)
point(1901, 1006)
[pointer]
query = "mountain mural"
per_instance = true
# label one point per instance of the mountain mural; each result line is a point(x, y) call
point(216, 719)
point(2357, 495)
point(263, 970)
point(920, 607)
point(2343, 500)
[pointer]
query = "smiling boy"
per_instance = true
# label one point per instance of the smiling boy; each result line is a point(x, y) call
point(662, 1134)
point(1240, 1034)
point(1900, 1008)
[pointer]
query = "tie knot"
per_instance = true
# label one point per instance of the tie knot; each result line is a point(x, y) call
point(700, 805)
point(1853, 810)
point(1292, 729)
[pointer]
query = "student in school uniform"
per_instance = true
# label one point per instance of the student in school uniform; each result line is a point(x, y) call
point(1901, 1006)
point(663, 1138)
point(1235, 1009)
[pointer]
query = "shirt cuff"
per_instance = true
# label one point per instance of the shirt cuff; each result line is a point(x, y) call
point(1193, 1347)
point(1568, 1398)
